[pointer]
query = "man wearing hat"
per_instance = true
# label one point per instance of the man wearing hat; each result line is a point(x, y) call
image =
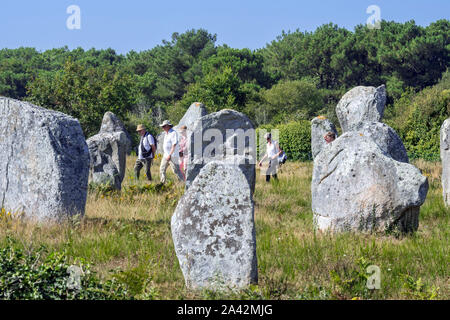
point(146, 152)
point(170, 147)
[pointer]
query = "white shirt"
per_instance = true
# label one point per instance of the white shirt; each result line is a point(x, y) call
point(147, 143)
point(170, 139)
point(272, 149)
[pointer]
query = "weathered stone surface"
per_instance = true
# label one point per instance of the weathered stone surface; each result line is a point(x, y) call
point(44, 162)
point(386, 138)
point(361, 104)
point(227, 136)
point(193, 113)
point(108, 153)
point(111, 123)
point(445, 159)
point(213, 229)
point(319, 127)
point(356, 186)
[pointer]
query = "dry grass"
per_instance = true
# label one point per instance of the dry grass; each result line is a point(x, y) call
point(130, 235)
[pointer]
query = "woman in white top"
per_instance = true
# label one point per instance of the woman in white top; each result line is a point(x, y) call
point(273, 150)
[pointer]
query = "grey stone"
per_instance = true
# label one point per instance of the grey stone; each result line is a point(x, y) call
point(213, 230)
point(227, 136)
point(361, 104)
point(356, 186)
point(108, 155)
point(445, 160)
point(319, 127)
point(111, 123)
point(44, 163)
point(386, 138)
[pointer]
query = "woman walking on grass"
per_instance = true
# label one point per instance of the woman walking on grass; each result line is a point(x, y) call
point(273, 150)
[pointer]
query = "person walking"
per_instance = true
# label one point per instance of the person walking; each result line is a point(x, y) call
point(170, 146)
point(146, 153)
point(183, 150)
point(272, 152)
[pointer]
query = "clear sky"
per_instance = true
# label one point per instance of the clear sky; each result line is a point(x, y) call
point(142, 24)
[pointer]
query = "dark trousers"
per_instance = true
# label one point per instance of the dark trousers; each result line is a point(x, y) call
point(272, 170)
point(147, 163)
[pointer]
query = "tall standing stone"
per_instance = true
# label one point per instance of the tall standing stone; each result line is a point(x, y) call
point(445, 160)
point(361, 104)
point(213, 229)
point(227, 136)
point(44, 162)
point(319, 127)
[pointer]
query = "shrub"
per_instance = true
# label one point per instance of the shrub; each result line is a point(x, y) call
point(294, 139)
point(417, 118)
point(25, 276)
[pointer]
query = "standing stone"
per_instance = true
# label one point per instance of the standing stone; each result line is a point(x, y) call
point(213, 229)
point(386, 138)
point(361, 104)
point(111, 123)
point(227, 136)
point(445, 160)
point(108, 154)
point(44, 163)
point(319, 127)
point(356, 186)
point(193, 113)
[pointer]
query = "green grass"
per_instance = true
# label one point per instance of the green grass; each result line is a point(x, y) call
point(126, 236)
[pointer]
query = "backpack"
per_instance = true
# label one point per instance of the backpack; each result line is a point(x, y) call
point(147, 154)
point(282, 158)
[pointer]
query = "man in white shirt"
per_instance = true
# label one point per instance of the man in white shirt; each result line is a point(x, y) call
point(170, 147)
point(147, 150)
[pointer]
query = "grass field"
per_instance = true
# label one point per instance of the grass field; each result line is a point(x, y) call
point(127, 236)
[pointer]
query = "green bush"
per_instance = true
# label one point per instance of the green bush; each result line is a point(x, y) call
point(417, 118)
point(294, 139)
point(27, 276)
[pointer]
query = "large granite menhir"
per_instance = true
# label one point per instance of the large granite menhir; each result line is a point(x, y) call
point(44, 161)
point(227, 136)
point(358, 187)
point(213, 230)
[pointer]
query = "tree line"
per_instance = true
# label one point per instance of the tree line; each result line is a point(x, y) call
point(293, 78)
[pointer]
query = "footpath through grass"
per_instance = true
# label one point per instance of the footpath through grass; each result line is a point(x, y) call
point(126, 238)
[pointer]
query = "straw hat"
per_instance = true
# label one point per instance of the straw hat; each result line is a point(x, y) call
point(140, 127)
point(166, 123)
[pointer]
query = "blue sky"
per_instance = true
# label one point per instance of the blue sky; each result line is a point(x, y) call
point(142, 24)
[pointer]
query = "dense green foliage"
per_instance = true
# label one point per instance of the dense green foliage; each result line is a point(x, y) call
point(29, 276)
point(295, 77)
point(418, 117)
point(294, 138)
